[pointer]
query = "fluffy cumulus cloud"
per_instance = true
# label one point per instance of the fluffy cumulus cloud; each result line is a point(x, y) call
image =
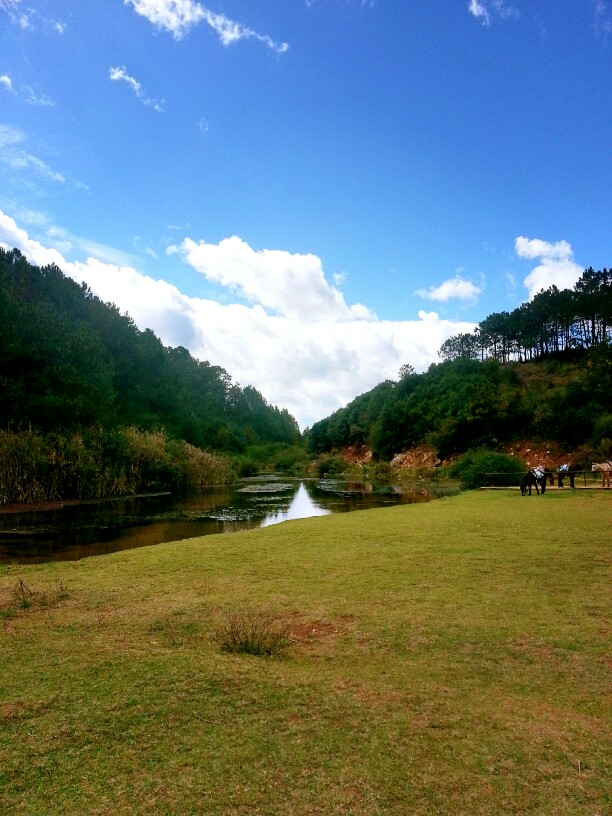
point(289, 285)
point(293, 337)
point(556, 265)
point(178, 16)
point(175, 16)
point(456, 288)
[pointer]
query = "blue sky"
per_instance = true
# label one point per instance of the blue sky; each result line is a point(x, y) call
point(309, 193)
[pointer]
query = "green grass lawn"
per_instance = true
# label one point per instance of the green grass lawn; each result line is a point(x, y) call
point(444, 658)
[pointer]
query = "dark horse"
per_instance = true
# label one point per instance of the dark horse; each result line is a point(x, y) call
point(567, 470)
point(536, 478)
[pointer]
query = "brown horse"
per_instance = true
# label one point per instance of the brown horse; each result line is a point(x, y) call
point(605, 468)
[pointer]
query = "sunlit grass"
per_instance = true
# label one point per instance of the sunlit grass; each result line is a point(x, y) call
point(444, 658)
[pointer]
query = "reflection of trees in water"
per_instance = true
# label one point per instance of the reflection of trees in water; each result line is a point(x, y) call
point(263, 498)
point(97, 528)
point(340, 495)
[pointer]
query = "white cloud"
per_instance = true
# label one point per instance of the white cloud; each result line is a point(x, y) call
point(25, 19)
point(26, 93)
point(480, 11)
point(293, 286)
point(33, 99)
point(297, 341)
point(230, 32)
point(603, 17)
point(22, 19)
point(556, 267)
point(485, 10)
point(18, 159)
point(362, 3)
point(455, 288)
point(175, 16)
point(178, 16)
point(119, 74)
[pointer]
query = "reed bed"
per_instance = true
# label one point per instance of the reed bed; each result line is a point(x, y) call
point(99, 463)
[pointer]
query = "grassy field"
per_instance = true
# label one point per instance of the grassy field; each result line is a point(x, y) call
point(444, 658)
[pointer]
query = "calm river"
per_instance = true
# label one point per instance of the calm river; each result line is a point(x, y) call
point(67, 532)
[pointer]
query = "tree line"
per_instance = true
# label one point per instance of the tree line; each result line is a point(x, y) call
point(70, 361)
point(554, 321)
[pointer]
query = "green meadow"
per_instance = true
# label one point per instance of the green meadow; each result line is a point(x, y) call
point(442, 658)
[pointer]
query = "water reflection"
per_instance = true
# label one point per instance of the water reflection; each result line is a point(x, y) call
point(302, 505)
point(74, 531)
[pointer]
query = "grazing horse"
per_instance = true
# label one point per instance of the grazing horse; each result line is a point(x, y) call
point(566, 470)
point(536, 478)
point(605, 468)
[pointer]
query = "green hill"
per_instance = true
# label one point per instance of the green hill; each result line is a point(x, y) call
point(543, 372)
point(92, 406)
point(69, 360)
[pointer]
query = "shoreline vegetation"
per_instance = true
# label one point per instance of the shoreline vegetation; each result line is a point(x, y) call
point(95, 463)
point(446, 657)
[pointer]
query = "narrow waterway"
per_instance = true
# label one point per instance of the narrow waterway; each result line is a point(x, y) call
point(70, 531)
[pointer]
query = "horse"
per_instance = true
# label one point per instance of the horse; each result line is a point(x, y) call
point(605, 468)
point(536, 478)
point(567, 470)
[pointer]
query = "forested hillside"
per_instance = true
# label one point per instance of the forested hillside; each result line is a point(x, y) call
point(68, 360)
point(542, 372)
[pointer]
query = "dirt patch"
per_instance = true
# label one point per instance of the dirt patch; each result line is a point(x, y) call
point(421, 456)
point(305, 632)
point(9, 711)
point(529, 452)
point(539, 453)
point(356, 454)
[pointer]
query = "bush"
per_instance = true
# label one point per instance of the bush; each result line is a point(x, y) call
point(292, 460)
point(331, 466)
point(277, 457)
point(484, 467)
point(251, 631)
point(246, 466)
point(192, 468)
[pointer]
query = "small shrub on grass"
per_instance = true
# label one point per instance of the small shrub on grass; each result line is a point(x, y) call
point(26, 596)
point(23, 595)
point(252, 631)
point(484, 467)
